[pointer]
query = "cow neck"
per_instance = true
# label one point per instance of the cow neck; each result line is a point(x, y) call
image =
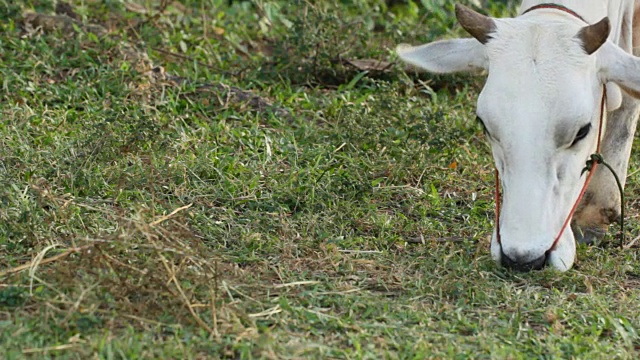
point(592, 164)
point(554, 7)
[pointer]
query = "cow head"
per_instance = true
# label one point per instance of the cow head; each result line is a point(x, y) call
point(540, 108)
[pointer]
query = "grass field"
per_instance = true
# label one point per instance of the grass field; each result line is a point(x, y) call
point(214, 179)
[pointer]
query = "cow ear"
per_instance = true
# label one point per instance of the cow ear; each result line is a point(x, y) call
point(593, 36)
point(617, 66)
point(447, 56)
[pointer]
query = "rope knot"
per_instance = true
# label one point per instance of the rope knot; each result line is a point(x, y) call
point(593, 160)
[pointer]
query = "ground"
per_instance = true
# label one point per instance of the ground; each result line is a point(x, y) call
point(262, 179)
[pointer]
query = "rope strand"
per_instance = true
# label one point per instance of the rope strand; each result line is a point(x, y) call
point(592, 163)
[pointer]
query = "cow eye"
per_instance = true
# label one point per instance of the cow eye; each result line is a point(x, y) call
point(582, 133)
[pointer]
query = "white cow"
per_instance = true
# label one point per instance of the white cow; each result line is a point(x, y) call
point(540, 107)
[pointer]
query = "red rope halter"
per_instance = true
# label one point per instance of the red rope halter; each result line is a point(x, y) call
point(555, 7)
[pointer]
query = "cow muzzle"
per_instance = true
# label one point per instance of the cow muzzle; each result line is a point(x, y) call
point(523, 265)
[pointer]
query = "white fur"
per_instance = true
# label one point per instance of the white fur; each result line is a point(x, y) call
point(540, 90)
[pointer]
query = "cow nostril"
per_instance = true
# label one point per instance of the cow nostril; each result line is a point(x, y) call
point(536, 264)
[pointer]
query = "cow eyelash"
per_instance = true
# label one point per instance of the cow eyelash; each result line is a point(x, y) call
point(582, 133)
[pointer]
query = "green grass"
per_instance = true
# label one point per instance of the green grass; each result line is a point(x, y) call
point(260, 197)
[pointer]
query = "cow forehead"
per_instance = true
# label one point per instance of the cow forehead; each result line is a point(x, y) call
point(537, 71)
point(537, 42)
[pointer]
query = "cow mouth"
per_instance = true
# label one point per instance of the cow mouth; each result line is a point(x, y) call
point(536, 264)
